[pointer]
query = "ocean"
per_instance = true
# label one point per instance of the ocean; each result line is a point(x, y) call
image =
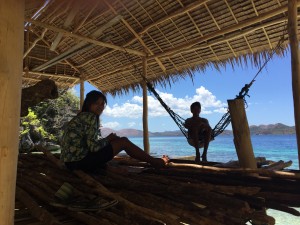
point(273, 147)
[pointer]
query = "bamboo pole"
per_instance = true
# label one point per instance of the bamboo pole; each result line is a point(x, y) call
point(241, 134)
point(294, 42)
point(145, 110)
point(11, 56)
point(83, 38)
point(81, 92)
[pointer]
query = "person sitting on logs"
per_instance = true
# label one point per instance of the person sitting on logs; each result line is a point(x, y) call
point(199, 131)
point(82, 146)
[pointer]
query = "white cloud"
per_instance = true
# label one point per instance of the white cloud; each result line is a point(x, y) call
point(132, 124)
point(111, 125)
point(134, 107)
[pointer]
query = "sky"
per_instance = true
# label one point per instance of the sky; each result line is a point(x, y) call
point(270, 99)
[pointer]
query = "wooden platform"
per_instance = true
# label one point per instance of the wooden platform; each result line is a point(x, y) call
point(179, 193)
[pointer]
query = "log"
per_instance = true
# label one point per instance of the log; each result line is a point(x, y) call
point(170, 208)
point(245, 171)
point(150, 214)
point(171, 196)
point(40, 213)
point(90, 181)
point(282, 207)
point(45, 89)
point(241, 132)
point(280, 165)
point(203, 197)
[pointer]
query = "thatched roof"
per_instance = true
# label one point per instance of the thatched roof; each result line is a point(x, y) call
point(105, 41)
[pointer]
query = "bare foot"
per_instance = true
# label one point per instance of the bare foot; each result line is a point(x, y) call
point(159, 163)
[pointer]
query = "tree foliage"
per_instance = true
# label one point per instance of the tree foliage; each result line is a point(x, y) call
point(45, 121)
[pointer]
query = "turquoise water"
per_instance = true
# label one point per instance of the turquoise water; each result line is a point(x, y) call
point(273, 147)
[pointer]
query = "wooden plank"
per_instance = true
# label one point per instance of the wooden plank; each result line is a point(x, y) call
point(294, 42)
point(11, 61)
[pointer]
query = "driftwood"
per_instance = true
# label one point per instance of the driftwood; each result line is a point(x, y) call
point(269, 173)
point(170, 195)
point(280, 165)
point(38, 212)
point(45, 89)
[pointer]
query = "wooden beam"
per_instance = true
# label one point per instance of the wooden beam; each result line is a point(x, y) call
point(27, 72)
point(74, 10)
point(11, 62)
point(294, 43)
point(34, 43)
point(241, 134)
point(145, 110)
point(224, 31)
point(78, 48)
point(83, 38)
point(81, 92)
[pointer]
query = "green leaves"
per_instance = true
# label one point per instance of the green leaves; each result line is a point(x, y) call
point(46, 120)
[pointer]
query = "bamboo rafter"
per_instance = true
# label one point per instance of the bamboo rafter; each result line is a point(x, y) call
point(82, 38)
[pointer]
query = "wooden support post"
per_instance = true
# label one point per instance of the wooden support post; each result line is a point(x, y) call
point(11, 63)
point(294, 43)
point(241, 133)
point(145, 110)
point(81, 92)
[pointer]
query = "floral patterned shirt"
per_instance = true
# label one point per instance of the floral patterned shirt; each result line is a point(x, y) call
point(81, 135)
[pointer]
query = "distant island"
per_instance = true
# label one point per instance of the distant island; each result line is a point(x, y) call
point(277, 128)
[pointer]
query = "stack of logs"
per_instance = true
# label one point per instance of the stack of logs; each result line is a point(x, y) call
point(178, 194)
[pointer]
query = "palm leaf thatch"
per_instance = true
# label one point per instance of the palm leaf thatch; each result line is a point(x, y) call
point(104, 42)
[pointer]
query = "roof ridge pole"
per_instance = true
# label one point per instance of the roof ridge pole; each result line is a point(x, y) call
point(294, 46)
point(145, 109)
point(11, 63)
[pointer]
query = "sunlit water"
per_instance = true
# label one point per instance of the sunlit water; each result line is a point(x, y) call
point(273, 147)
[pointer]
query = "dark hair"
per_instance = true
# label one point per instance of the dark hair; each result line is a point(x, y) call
point(91, 98)
point(195, 104)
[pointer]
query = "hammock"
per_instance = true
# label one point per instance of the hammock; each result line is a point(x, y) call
point(220, 126)
point(226, 119)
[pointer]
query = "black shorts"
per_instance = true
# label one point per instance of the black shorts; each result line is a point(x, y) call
point(93, 160)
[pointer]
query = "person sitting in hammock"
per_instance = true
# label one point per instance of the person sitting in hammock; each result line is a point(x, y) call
point(83, 148)
point(199, 131)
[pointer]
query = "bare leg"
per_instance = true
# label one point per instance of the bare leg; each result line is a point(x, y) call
point(195, 136)
point(207, 139)
point(134, 151)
